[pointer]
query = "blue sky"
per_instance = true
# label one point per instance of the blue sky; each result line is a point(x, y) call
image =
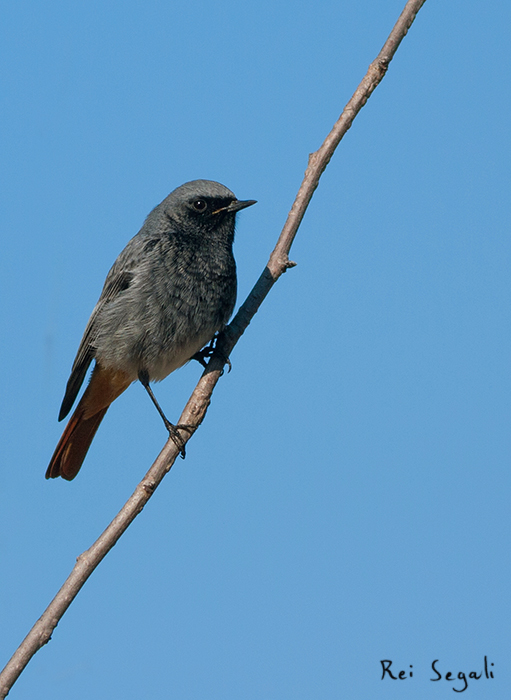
point(347, 498)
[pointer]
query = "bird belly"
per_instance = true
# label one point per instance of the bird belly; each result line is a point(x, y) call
point(163, 364)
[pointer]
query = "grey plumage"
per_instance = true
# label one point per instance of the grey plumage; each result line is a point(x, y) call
point(169, 291)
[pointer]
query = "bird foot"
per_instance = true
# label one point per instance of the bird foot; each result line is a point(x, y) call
point(176, 437)
point(203, 354)
point(208, 352)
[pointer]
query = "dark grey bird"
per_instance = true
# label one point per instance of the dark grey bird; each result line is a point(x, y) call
point(169, 291)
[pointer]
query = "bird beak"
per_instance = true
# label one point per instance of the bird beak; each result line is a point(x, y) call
point(237, 205)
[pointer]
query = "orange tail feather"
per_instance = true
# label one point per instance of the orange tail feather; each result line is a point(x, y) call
point(74, 444)
point(104, 387)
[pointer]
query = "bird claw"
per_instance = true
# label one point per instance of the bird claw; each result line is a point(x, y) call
point(176, 437)
point(208, 352)
point(228, 363)
point(201, 355)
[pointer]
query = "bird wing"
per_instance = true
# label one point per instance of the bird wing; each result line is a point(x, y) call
point(117, 280)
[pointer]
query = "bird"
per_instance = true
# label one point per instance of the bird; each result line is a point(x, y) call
point(168, 293)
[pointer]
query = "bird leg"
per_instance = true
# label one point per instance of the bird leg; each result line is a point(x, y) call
point(208, 351)
point(173, 429)
point(201, 355)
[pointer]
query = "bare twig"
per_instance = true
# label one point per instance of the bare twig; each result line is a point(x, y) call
point(197, 405)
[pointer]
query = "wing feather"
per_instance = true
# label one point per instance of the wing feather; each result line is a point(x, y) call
point(116, 282)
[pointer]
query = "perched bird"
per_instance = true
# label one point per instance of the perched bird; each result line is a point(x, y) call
point(169, 291)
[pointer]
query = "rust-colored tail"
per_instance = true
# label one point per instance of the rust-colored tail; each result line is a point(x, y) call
point(104, 387)
point(74, 444)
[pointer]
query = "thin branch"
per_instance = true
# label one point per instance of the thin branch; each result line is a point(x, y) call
point(197, 405)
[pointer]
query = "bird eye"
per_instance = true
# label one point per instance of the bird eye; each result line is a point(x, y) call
point(200, 205)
